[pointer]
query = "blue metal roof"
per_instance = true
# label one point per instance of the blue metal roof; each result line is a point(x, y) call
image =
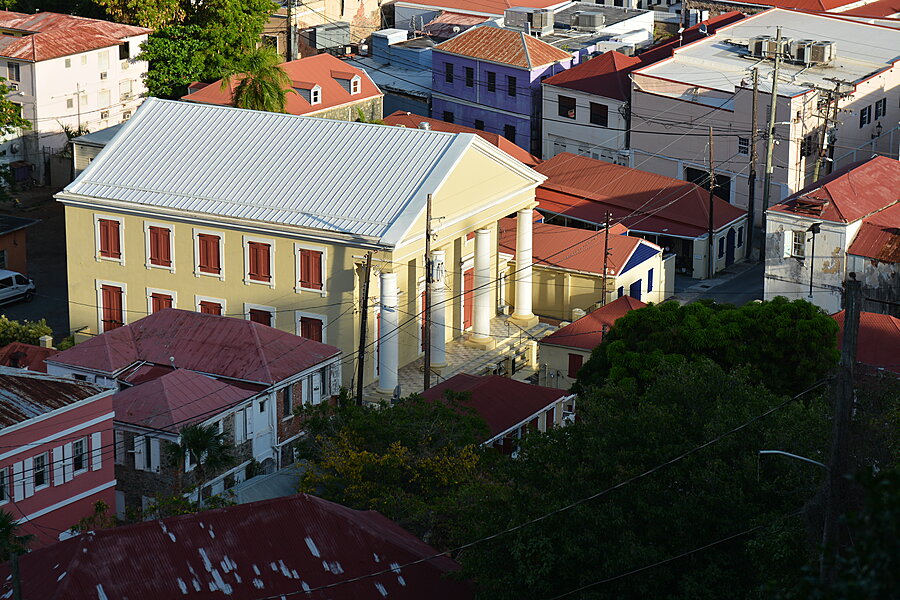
point(640, 254)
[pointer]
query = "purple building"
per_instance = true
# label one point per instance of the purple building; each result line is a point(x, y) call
point(490, 79)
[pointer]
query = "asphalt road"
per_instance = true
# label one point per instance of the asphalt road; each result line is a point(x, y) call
point(740, 289)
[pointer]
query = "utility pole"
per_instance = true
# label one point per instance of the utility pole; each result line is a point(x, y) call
point(605, 259)
point(78, 103)
point(770, 143)
point(363, 327)
point(835, 492)
point(289, 41)
point(751, 203)
point(833, 99)
point(426, 334)
point(14, 572)
point(712, 198)
point(837, 98)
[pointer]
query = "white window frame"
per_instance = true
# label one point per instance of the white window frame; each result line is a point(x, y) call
point(219, 301)
point(794, 243)
point(147, 263)
point(262, 240)
point(315, 95)
point(195, 234)
point(174, 294)
point(743, 146)
point(47, 472)
point(271, 309)
point(355, 85)
point(298, 314)
point(87, 456)
point(324, 250)
point(6, 485)
point(121, 222)
point(99, 283)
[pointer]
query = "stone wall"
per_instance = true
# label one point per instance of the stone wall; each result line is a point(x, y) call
point(371, 107)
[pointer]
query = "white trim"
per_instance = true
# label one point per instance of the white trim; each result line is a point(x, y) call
point(246, 239)
point(270, 309)
point(299, 313)
point(147, 263)
point(151, 291)
point(6, 484)
point(195, 236)
point(87, 457)
point(298, 246)
point(121, 222)
point(58, 434)
point(527, 420)
point(99, 283)
point(219, 301)
point(66, 502)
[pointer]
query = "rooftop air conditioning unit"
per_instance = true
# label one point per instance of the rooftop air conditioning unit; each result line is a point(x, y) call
point(800, 51)
point(822, 52)
point(757, 45)
point(771, 48)
point(588, 21)
point(535, 21)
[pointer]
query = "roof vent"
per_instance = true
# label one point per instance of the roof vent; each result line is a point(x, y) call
point(425, 125)
point(810, 206)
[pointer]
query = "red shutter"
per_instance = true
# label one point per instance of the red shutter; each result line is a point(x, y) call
point(159, 302)
point(575, 361)
point(210, 308)
point(109, 239)
point(159, 247)
point(468, 297)
point(311, 328)
point(258, 254)
point(311, 269)
point(208, 246)
point(263, 317)
point(550, 416)
point(111, 299)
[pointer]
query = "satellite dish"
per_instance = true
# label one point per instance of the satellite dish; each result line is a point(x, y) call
point(456, 29)
point(703, 29)
point(15, 148)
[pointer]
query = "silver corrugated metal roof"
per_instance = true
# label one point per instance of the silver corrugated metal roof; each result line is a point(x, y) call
point(355, 178)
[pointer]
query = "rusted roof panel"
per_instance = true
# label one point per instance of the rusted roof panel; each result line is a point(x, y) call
point(25, 395)
point(879, 236)
point(245, 552)
point(878, 341)
point(26, 356)
point(605, 75)
point(503, 46)
point(587, 332)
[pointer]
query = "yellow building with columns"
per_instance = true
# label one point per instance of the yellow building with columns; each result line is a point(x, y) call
point(270, 217)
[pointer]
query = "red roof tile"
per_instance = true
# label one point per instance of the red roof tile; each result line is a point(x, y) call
point(878, 342)
point(220, 346)
point(584, 188)
point(587, 332)
point(879, 236)
point(854, 192)
point(504, 46)
point(26, 356)
point(879, 8)
point(322, 69)
point(447, 24)
point(244, 552)
point(502, 402)
point(489, 7)
point(59, 35)
point(810, 5)
point(572, 248)
point(402, 118)
point(605, 75)
point(177, 399)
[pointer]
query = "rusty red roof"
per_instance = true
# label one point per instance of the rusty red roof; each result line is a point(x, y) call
point(402, 118)
point(53, 35)
point(448, 24)
point(245, 552)
point(854, 192)
point(879, 236)
point(502, 402)
point(323, 70)
point(878, 342)
point(26, 394)
point(810, 5)
point(488, 7)
point(879, 8)
point(587, 332)
point(605, 75)
point(503, 46)
point(25, 356)
point(220, 346)
point(176, 399)
point(585, 189)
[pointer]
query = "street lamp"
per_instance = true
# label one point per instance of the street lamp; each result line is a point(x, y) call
point(814, 229)
point(789, 455)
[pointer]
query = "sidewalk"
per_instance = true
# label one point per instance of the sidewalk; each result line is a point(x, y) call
point(703, 287)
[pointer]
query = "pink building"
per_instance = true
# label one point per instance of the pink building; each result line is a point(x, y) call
point(56, 436)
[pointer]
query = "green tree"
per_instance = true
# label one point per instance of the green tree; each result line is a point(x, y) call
point(99, 519)
point(27, 332)
point(785, 345)
point(261, 82)
point(207, 450)
point(154, 14)
point(10, 112)
point(10, 540)
point(175, 54)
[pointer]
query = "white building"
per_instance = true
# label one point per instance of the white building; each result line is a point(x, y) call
point(67, 72)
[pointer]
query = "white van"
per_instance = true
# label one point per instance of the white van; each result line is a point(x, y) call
point(15, 286)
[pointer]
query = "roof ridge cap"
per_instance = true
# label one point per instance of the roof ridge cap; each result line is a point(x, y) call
point(525, 46)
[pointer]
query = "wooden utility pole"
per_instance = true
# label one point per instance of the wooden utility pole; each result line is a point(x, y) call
point(605, 259)
point(288, 34)
point(837, 99)
point(833, 100)
point(363, 327)
point(838, 465)
point(770, 142)
point(14, 573)
point(751, 203)
point(712, 203)
point(426, 315)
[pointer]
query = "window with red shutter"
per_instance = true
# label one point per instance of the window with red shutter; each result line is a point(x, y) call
point(111, 307)
point(575, 361)
point(159, 247)
point(311, 269)
point(263, 317)
point(159, 302)
point(208, 249)
point(311, 328)
point(258, 255)
point(109, 239)
point(210, 308)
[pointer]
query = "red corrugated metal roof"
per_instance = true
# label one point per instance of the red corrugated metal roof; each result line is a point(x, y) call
point(491, 7)
point(59, 35)
point(810, 5)
point(503, 46)
point(849, 194)
point(571, 248)
point(502, 402)
point(879, 236)
point(447, 24)
point(26, 394)
point(407, 119)
point(322, 69)
point(605, 75)
point(221, 346)
point(26, 356)
point(585, 189)
point(176, 399)
point(587, 332)
point(878, 342)
point(689, 35)
point(879, 8)
point(244, 552)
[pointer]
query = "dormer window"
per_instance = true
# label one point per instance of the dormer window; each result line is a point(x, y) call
point(355, 85)
point(315, 95)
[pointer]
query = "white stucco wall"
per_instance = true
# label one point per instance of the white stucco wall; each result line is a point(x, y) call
point(579, 135)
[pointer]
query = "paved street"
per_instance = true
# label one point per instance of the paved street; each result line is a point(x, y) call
point(738, 284)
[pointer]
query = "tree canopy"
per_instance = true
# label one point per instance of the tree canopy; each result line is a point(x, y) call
point(262, 83)
point(10, 112)
point(27, 332)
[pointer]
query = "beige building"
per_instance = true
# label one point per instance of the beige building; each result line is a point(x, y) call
point(270, 217)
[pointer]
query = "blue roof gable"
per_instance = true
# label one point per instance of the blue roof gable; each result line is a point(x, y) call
point(640, 254)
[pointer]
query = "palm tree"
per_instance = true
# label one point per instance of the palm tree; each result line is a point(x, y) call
point(262, 83)
point(206, 448)
point(10, 542)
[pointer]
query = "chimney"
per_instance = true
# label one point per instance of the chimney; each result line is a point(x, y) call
point(45, 341)
point(425, 125)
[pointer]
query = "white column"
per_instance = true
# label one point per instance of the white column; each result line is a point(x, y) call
point(438, 310)
point(523, 276)
point(481, 330)
point(388, 347)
